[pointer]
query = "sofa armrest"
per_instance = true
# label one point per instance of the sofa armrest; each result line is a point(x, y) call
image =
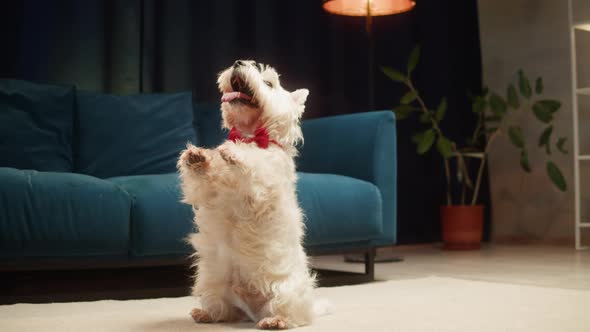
point(361, 146)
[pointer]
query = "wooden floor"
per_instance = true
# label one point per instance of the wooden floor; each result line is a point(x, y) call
point(547, 266)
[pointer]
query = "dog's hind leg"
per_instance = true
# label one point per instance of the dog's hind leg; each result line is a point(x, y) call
point(201, 316)
point(212, 285)
point(272, 323)
point(216, 308)
point(287, 309)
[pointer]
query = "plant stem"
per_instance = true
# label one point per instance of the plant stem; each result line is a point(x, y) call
point(464, 170)
point(489, 142)
point(463, 193)
point(478, 128)
point(439, 132)
point(448, 176)
point(425, 109)
point(479, 176)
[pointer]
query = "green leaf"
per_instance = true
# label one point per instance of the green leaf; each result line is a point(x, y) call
point(544, 139)
point(560, 142)
point(544, 109)
point(417, 137)
point(539, 86)
point(479, 105)
point(541, 114)
point(394, 74)
point(425, 117)
point(425, 141)
point(515, 134)
point(550, 105)
point(441, 110)
point(524, 85)
point(512, 97)
point(403, 111)
point(497, 104)
point(444, 147)
point(524, 161)
point(408, 97)
point(413, 59)
point(556, 176)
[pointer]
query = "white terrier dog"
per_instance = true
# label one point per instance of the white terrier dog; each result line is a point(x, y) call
point(251, 263)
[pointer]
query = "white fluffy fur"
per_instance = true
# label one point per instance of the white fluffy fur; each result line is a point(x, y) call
point(251, 263)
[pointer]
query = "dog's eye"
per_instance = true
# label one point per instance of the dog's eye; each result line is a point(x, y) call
point(268, 83)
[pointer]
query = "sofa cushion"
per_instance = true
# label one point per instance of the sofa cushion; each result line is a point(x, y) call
point(339, 209)
point(36, 123)
point(61, 214)
point(159, 221)
point(132, 135)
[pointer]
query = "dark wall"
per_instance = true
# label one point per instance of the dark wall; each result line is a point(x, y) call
point(155, 45)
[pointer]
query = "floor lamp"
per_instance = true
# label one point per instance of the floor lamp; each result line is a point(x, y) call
point(369, 9)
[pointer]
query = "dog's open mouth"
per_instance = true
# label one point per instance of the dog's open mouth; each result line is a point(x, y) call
point(242, 92)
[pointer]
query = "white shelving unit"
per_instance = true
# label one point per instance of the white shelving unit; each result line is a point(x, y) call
point(577, 26)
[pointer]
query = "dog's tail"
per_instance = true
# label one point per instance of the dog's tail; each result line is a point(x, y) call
point(322, 307)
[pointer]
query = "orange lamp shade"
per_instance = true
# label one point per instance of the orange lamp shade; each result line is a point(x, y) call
point(359, 7)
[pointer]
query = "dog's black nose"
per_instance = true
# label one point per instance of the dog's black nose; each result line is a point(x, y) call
point(238, 63)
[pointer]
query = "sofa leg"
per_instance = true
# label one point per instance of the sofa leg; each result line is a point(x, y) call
point(328, 278)
point(370, 264)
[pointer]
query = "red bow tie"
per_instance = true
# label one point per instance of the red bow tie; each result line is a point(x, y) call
point(260, 137)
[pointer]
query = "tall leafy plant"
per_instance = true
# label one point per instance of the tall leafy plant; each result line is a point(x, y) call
point(496, 115)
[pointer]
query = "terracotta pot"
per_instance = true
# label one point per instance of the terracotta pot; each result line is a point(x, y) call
point(462, 226)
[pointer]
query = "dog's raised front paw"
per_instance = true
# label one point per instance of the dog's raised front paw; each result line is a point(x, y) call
point(272, 323)
point(228, 156)
point(194, 157)
point(200, 316)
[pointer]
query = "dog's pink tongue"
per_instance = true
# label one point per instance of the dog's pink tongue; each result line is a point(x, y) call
point(229, 96)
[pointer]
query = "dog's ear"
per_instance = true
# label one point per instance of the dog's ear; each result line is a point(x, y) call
point(300, 96)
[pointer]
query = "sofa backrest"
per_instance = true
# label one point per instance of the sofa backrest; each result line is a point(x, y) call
point(208, 124)
point(36, 125)
point(132, 135)
point(48, 127)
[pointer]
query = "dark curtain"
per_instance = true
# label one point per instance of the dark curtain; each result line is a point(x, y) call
point(140, 46)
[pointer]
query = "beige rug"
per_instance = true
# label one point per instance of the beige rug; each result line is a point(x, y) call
point(428, 304)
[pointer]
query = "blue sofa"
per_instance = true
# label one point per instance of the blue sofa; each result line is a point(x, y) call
point(91, 177)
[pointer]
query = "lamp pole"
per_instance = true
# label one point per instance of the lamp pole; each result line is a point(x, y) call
point(365, 8)
point(371, 57)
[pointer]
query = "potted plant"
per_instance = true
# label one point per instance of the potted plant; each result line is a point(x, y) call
point(462, 217)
